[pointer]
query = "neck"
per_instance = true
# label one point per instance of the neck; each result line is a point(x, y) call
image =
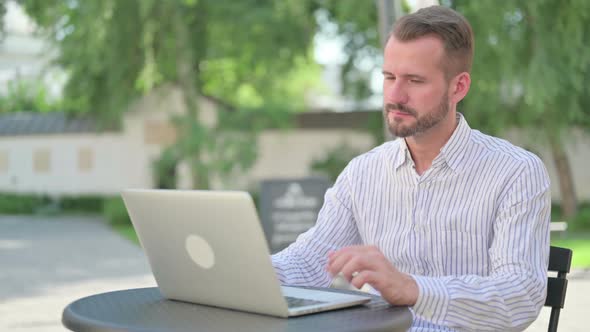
point(424, 147)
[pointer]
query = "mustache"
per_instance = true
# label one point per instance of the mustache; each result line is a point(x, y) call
point(401, 108)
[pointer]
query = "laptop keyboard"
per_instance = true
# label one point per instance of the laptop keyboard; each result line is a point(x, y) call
point(295, 302)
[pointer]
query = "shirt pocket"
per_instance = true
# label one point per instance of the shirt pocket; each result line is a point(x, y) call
point(460, 253)
point(460, 240)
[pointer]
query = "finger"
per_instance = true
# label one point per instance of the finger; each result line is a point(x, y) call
point(350, 249)
point(374, 259)
point(353, 266)
point(364, 277)
point(332, 255)
point(337, 261)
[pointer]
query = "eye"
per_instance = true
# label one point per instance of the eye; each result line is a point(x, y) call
point(416, 81)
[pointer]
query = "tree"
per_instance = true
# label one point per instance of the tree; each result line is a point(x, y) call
point(23, 95)
point(532, 70)
point(243, 55)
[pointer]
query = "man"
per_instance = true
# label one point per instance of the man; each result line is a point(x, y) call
point(444, 219)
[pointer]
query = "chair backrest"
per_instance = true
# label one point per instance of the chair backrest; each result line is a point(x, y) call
point(560, 260)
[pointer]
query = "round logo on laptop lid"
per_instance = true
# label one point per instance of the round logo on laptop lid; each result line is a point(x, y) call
point(200, 251)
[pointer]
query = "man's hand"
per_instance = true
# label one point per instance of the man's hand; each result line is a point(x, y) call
point(366, 264)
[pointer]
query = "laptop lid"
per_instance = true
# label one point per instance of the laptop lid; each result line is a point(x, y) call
point(202, 248)
point(208, 247)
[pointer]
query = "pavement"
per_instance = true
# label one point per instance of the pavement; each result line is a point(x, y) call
point(574, 315)
point(48, 262)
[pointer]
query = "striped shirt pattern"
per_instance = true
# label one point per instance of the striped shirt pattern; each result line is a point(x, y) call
point(473, 230)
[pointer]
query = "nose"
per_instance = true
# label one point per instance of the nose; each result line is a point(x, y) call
point(395, 92)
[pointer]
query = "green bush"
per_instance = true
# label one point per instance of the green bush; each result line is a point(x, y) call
point(92, 204)
point(43, 204)
point(22, 204)
point(115, 212)
point(556, 214)
point(375, 127)
point(112, 208)
point(164, 169)
point(334, 161)
point(581, 221)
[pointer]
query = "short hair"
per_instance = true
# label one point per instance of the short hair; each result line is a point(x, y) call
point(446, 24)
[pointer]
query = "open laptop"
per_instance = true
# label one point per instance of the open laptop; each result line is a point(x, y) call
point(208, 247)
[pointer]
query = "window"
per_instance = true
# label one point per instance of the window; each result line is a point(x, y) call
point(4, 161)
point(42, 160)
point(85, 159)
point(159, 132)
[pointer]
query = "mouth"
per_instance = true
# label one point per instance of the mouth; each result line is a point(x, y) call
point(396, 113)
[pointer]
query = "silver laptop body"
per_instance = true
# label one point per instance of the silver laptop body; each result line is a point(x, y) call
point(208, 247)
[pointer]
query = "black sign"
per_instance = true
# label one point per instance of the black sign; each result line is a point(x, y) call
point(289, 208)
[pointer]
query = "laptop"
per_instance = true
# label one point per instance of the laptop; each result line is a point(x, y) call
point(208, 247)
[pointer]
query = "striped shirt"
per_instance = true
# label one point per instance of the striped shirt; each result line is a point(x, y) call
point(472, 230)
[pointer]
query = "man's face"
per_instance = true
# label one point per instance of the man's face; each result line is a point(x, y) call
point(415, 90)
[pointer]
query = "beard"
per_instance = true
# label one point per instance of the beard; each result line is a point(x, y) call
point(423, 123)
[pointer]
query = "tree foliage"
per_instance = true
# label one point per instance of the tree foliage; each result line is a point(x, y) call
point(356, 23)
point(532, 70)
point(252, 58)
point(115, 50)
point(532, 61)
point(25, 95)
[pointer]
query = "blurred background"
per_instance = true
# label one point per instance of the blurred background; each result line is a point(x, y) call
point(272, 97)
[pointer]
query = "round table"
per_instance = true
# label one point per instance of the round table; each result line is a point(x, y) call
point(144, 309)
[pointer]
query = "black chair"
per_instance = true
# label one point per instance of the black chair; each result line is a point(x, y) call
point(560, 260)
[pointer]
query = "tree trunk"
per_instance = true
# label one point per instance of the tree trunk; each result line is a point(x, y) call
point(187, 67)
point(388, 12)
point(569, 203)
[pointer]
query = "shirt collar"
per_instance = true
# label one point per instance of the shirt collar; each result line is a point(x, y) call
point(402, 155)
point(452, 152)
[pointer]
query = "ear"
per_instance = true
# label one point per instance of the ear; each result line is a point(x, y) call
point(459, 87)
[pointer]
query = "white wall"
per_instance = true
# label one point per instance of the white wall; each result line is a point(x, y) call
point(110, 167)
point(290, 153)
point(123, 161)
